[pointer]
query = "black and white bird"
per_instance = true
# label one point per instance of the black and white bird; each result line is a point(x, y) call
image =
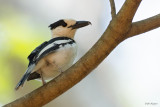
point(53, 57)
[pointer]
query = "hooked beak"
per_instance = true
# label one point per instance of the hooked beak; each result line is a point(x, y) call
point(80, 24)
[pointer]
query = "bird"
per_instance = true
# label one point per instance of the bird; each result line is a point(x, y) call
point(54, 56)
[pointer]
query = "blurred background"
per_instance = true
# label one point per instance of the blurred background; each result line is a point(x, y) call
point(128, 77)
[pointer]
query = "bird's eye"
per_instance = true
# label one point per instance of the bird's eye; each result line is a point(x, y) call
point(64, 24)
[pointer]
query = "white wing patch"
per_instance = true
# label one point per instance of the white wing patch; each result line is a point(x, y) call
point(44, 49)
point(62, 41)
point(52, 45)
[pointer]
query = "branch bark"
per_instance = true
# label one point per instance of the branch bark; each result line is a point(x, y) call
point(144, 25)
point(113, 9)
point(119, 29)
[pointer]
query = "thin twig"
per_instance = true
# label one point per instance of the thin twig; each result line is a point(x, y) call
point(113, 9)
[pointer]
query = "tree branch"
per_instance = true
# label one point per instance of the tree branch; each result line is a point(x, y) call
point(113, 9)
point(119, 29)
point(144, 25)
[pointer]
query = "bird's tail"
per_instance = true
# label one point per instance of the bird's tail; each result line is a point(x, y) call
point(25, 76)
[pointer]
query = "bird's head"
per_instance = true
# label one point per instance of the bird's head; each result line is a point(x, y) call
point(66, 27)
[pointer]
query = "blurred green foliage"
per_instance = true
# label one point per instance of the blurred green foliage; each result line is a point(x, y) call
point(18, 37)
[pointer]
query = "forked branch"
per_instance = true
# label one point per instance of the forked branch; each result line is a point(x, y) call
point(144, 25)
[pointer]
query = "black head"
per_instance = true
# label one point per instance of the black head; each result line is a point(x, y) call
point(58, 23)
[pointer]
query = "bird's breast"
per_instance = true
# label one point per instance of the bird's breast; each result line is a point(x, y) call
point(65, 56)
point(59, 60)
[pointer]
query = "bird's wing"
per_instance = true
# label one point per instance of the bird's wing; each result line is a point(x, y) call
point(34, 53)
point(41, 51)
point(32, 59)
point(52, 46)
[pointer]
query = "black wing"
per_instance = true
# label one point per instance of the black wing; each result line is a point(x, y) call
point(45, 49)
point(52, 46)
point(39, 52)
point(35, 52)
